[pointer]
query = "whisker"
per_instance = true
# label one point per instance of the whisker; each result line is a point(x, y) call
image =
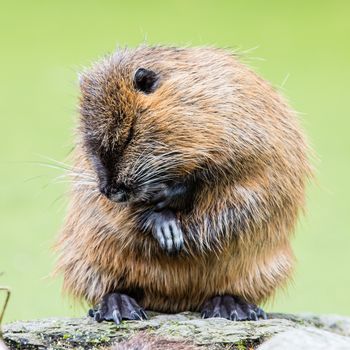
point(55, 161)
point(72, 174)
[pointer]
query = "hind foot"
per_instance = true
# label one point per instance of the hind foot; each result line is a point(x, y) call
point(231, 308)
point(117, 307)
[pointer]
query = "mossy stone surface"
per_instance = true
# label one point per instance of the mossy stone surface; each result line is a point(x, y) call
point(84, 333)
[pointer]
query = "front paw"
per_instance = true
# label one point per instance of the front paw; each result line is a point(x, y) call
point(177, 196)
point(167, 231)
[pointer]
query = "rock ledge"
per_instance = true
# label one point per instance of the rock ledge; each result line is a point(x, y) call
point(293, 331)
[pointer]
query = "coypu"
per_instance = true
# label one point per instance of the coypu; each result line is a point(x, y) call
point(189, 174)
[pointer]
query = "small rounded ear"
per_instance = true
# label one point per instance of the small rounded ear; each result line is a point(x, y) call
point(146, 80)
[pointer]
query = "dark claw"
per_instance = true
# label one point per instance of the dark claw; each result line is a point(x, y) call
point(252, 316)
point(98, 317)
point(136, 315)
point(144, 315)
point(232, 308)
point(216, 314)
point(91, 313)
point(116, 307)
point(261, 313)
point(234, 316)
point(117, 317)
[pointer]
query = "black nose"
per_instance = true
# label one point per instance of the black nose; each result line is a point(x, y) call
point(116, 193)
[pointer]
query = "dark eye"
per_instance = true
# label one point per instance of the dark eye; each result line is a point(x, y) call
point(146, 80)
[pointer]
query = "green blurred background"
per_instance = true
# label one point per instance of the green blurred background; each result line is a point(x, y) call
point(302, 47)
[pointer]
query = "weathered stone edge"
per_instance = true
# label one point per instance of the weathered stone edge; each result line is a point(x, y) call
point(83, 333)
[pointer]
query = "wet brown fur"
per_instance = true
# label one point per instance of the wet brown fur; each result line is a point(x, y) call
point(217, 117)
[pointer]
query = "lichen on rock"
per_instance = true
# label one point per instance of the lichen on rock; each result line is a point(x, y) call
point(180, 331)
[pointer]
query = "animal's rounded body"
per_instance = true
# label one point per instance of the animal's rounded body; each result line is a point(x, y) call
point(190, 173)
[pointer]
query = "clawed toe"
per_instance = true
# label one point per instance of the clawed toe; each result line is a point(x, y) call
point(117, 307)
point(232, 308)
point(167, 231)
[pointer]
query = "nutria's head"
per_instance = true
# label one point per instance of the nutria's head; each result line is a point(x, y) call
point(149, 117)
